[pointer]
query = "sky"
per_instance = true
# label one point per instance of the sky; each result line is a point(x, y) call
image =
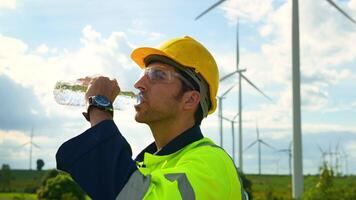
point(42, 42)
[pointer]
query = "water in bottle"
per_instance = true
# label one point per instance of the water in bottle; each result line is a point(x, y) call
point(73, 93)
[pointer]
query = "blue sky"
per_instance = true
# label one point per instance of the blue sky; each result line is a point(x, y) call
point(45, 41)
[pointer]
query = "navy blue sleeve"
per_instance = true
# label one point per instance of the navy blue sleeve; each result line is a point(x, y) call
point(99, 160)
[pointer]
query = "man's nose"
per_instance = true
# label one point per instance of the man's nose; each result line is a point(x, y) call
point(141, 83)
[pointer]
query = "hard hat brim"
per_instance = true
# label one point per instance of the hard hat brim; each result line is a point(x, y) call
point(139, 55)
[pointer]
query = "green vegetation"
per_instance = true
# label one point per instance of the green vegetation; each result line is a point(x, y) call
point(327, 189)
point(25, 183)
point(60, 187)
point(40, 164)
point(17, 196)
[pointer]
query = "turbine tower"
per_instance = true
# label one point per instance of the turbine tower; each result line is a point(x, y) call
point(31, 143)
point(297, 178)
point(344, 157)
point(220, 112)
point(232, 121)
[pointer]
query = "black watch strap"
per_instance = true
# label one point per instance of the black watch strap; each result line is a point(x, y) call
point(100, 102)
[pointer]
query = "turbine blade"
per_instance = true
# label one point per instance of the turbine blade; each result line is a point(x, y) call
point(24, 144)
point(267, 144)
point(227, 91)
point(283, 150)
point(320, 149)
point(227, 76)
point(340, 10)
point(226, 119)
point(249, 146)
point(233, 119)
point(253, 85)
point(36, 145)
point(210, 8)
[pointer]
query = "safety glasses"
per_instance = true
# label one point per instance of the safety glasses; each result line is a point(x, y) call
point(158, 74)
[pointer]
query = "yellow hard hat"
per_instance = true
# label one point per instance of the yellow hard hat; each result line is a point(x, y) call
point(189, 53)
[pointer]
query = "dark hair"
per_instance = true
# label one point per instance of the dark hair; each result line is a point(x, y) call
point(198, 115)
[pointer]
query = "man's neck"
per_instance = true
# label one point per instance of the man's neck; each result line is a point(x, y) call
point(164, 132)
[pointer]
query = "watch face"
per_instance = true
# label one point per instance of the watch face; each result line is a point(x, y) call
point(102, 101)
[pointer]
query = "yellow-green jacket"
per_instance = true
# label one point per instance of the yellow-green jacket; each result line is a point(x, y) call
point(189, 167)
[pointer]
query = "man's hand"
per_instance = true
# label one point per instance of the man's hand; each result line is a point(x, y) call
point(101, 86)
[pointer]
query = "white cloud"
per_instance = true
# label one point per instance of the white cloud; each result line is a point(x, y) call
point(11, 47)
point(253, 10)
point(326, 49)
point(315, 128)
point(13, 136)
point(8, 4)
point(43, 49)
point(98, 55)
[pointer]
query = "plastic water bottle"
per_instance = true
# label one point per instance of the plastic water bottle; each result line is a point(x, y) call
point(72, 93)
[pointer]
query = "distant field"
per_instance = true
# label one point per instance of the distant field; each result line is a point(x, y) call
point(281, 185)
point(25, 181)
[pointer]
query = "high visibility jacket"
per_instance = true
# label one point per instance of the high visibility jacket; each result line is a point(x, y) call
point(189, 167)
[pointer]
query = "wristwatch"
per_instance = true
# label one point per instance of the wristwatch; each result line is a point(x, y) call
point(101, 102)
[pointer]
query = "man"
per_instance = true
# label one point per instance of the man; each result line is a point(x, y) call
point(177, 90)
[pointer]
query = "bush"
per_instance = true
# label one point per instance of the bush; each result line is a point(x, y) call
point(61, 187)
point(325, 189)
point(50, 174)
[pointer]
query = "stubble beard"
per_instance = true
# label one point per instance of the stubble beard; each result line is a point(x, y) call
point(149, 115)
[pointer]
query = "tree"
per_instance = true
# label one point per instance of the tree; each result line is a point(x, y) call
point(61, 187)
point(40, 164)
point(5, 177)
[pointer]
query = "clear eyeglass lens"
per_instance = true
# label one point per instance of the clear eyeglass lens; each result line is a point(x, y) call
point(158, 75)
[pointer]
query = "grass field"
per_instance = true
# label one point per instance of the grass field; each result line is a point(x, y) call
point(23, 181)
point(13, 196)
point(281, 185)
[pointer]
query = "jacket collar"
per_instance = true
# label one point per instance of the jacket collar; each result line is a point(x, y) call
point(187, 137)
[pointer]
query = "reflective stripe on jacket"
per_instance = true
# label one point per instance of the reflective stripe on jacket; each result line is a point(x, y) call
point(198, 171)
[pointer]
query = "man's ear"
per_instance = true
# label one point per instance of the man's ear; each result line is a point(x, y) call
point(191, 100)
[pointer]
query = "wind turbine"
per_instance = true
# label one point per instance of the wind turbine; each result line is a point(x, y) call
point(259, 142)
point(337, 154)
point(220, 113)
point(297, 178)
point(232, 133)
point(323, 155)
point(289, 153)
point(344, 156)
point(330, 153)
point(31, 143)
point(240, 71)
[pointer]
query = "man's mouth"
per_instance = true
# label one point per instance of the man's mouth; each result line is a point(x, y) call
point(139, 99)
